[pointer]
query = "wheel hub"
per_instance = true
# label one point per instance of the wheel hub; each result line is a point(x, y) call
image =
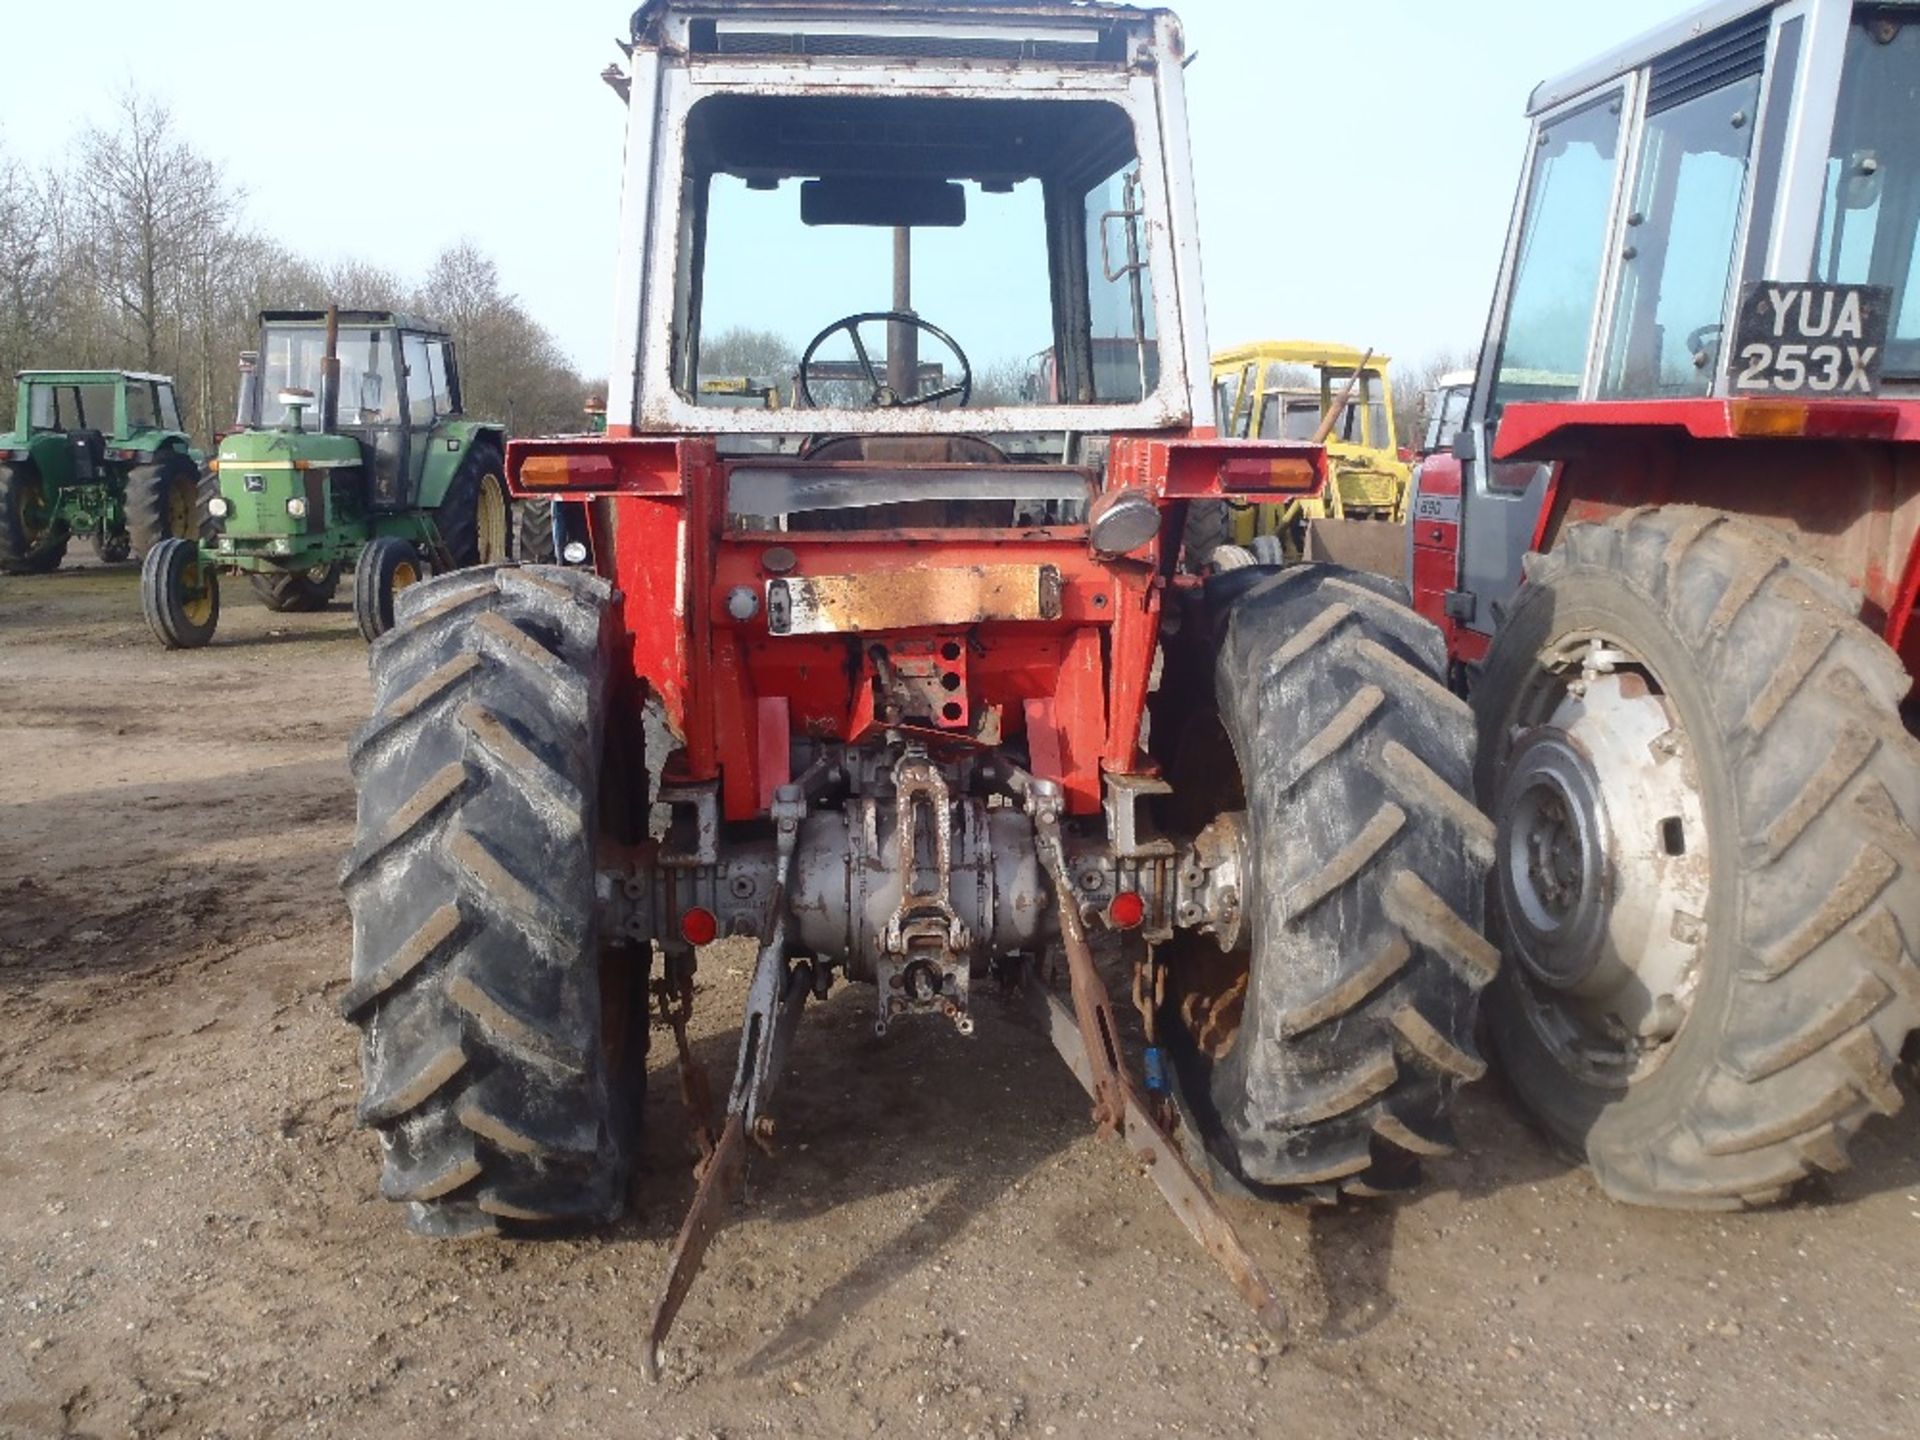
point(1603, 864)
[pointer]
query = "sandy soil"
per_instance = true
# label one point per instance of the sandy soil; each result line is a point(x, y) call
point(191, 1243)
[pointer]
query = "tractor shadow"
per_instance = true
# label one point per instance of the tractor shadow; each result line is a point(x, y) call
point(860, 1117)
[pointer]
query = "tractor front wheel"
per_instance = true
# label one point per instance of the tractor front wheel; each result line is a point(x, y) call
point(32, 541)
point(164, 501)
point(503, 1047)
point(179, 594)
point(1322, 1053)
point(386, 567)
point(295, 592)
point(1705, 877)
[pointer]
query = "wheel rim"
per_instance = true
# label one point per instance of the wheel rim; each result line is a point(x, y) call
point(196, 593)
point(404, 574)
point(1603, 861)
point(181, 495)
point(492, 519)
point(30, 515)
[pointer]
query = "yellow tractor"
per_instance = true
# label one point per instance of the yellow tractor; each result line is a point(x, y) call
point(1299, 390)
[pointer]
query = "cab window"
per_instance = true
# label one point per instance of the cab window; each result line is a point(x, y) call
point(141, 413)
point(1870, 229)
point(415, 350)
point(1677, 258)
point(1563, 242)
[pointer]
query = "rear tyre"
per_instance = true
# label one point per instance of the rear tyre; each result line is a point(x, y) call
point(1707, 860)
point(386, 567)
point(164, 501)
point(503, 1049)
point(297, 591)
point(179, 595)
point(475, 519)
point(1324, 1056)
point(32, 541)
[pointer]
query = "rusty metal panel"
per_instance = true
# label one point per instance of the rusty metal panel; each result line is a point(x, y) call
point(1377, 546)
point(910, 599)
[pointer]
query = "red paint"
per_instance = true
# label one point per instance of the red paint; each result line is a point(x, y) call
point(1073, 687)
point(776, 749)
point(1127, 911)
point(1561, 430)
point(1840, 478)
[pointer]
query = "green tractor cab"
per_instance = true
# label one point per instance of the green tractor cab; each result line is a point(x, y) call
point(99, 453)
point(351, 451)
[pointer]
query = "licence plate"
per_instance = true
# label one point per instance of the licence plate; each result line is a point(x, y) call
point(1811, 339)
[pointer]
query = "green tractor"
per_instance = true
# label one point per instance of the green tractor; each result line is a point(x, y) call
point(351, 451)
point(99, 453)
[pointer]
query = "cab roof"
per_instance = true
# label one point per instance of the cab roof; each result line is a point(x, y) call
point(1300, 352)
point(395, 318)
point(1643, 50)
point(90, 377)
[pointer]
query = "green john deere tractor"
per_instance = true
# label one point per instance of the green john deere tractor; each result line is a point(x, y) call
point(99, 453)
point(351, 451)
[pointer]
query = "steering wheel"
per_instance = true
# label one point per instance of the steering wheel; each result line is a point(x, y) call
point(884, 397)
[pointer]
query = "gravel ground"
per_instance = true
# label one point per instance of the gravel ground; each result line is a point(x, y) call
point(191, 1242)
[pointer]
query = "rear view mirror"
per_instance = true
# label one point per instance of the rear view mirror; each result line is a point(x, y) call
point(887, 204)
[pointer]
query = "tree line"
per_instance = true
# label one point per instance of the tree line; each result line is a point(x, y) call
point(131, 253)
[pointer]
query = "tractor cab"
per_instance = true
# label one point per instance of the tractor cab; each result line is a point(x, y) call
point(1716, 238)
point(914, 246)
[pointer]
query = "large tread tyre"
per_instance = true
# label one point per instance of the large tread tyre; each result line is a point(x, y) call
point(386, 567)
point(475, 518)
point(179, 594)
point(1805, 986)
point(297, 592)
point(503, 1064)
point(31, 542)
point(164, 500)
point(533, 533)
point(1367, 875)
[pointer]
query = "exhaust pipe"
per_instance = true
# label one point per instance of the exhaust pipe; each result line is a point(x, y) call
point(248, 416)
point(330, 375)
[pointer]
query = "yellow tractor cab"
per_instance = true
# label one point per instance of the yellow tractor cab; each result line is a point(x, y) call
point(1286, 390)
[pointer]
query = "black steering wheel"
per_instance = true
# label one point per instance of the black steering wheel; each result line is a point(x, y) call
point(884, 397)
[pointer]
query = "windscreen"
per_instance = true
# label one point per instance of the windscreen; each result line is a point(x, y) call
point(1872, 213)
point(86, 406)
point(860, 253)
point(290, 357)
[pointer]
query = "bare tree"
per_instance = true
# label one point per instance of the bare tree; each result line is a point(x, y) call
point(29, 265)
point(149, 198)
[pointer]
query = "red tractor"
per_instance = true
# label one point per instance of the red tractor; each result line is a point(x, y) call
point(1676, 549)
point(904, 681)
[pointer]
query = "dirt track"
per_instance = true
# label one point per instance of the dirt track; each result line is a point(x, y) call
point(190, 1240)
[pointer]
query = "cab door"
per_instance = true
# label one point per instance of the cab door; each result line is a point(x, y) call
point(1547, 315)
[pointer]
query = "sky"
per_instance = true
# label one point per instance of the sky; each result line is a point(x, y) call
point(1355, 164)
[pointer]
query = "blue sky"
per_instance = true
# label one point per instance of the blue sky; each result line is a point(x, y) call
point(1355, 163)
